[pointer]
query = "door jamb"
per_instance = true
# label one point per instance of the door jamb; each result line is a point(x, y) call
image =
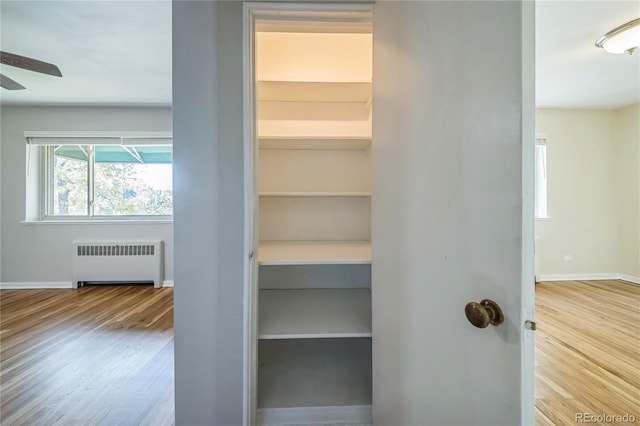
point(252, 12)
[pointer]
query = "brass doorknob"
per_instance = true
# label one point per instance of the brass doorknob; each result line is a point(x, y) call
point(484, 313)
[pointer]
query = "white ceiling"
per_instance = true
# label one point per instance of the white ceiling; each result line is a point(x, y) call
point(119, 53)
point(109, 52)
point(570, 70)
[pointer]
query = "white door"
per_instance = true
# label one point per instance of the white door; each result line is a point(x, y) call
point(452, 151)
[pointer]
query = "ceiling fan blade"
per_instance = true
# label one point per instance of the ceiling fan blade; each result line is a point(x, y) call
point(29, 64)
point(7, 83)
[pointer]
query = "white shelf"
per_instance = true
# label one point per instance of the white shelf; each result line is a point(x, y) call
point(314, 142)
point(315, 194)
point(314, 252)
point(314, 373)
point(314, 313)
point(300, 277)
point(313, 91)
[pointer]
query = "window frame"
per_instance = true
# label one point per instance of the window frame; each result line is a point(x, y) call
point(47, 160)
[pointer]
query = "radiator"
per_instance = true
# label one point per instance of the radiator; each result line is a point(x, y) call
point(122, 261)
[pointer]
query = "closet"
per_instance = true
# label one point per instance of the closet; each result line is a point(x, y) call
point(313, 182)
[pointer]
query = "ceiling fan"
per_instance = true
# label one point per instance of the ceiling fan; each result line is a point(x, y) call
point(23, 62)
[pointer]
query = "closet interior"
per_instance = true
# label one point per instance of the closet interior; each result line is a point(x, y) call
point(313, 109)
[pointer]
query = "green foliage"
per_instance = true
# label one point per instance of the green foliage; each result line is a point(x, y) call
point(70, 196)
point(119, 189)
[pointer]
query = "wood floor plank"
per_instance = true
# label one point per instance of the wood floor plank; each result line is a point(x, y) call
point(99, 355)
point(587, 350)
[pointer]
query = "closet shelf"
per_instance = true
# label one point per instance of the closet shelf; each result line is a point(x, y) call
point(314, 373)
point(314, 142)
point(315, 194)
point(313, 91)
point(314, 252)
point(314, 313)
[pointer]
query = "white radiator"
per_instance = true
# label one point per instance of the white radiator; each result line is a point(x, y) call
point(122, 261)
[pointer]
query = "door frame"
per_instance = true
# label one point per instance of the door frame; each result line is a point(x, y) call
point(253, 12)
point(527, 279)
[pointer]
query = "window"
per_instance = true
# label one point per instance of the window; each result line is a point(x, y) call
point(105, 178)
point(540, 200)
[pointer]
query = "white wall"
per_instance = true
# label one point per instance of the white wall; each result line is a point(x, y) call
point(41, 253)
point(627, 158)
point(586, 164)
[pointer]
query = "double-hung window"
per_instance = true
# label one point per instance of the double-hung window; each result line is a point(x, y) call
point(105, 177)
point(540, 194)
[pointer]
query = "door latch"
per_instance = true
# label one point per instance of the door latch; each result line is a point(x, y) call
point(530, 325)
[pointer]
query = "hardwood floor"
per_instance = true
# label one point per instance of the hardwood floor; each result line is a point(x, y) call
point(103, 355)
point(95, 355)
point(587, 351)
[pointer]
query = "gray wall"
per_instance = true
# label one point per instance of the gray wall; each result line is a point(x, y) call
point(208, 212)
point(42, 252)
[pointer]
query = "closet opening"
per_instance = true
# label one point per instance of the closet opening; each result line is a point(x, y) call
point(309, 204)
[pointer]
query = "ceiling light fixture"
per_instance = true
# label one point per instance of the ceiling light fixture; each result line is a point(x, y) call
point(623, 39)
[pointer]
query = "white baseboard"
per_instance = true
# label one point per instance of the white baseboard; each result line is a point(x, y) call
point(35, 285)
point(577, 277)
point(51, 285)
point(588, 277)
point(631, 279)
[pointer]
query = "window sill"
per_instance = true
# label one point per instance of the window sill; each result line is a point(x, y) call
point(98, 222)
